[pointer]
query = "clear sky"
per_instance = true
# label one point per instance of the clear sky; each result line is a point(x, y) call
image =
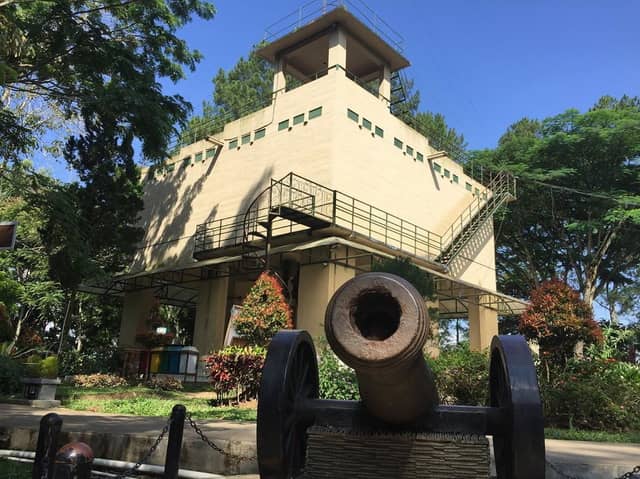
point(484, 64)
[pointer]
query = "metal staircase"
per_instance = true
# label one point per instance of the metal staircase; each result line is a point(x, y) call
point(500, 189)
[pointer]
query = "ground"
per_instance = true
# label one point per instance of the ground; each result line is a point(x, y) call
point(14, 470)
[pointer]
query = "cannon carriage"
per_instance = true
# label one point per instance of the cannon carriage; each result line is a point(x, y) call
point(377, 324)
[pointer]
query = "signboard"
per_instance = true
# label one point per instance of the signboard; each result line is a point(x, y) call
point(8, 234)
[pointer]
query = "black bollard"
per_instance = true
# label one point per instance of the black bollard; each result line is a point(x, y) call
point(74, 461)
point(43, 464)
point(176, 428)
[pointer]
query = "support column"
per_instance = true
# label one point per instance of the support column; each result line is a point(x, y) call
point(136, 307)
point(211, 314)
point(337, 49)
point(279, 78)
point(384, 89)
point(317, 284)
point(483, 326)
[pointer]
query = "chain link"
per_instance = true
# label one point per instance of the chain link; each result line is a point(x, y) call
point(212, 445)
point(626, 475)
point(152, 449)
point(631, 473)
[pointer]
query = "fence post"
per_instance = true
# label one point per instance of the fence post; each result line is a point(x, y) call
point(50, 426)
point(174, 446)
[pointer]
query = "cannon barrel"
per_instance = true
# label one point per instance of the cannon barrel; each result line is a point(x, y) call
point(377, 323)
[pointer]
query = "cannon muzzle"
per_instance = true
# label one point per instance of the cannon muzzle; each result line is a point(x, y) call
point(377, 324)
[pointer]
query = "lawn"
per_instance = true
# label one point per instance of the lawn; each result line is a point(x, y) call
point(14, 470)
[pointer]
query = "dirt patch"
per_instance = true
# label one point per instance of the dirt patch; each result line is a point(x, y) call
point(201, 395)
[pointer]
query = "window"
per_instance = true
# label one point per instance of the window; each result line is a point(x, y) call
point(379, 132)
point(477, 192)
point(409, 151)
point(352, 115)
point(419, 156)
point(447, 173)
point(283, 125)
point(456, 179)
point(437, 168)
point(397, 143)
point(211, 152)
point(366, 123)
point(259, 133)
point(186, 161)
point(315, 113)
point(233, 144)
point(198, 157)
point(246, 138)
point(468, 186)
point(298, 119)
point(484, 195)
point(170, 167)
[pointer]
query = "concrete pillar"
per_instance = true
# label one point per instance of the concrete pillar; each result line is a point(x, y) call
point(337, 49)
point(384, 89)
point(483, 326)
point(317, 284)
point(211, 313)
point(136, 307)
point(279, 78)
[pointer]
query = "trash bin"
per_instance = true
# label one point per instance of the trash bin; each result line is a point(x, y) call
point(156, 360)
point(189, 361)
point(173, 359)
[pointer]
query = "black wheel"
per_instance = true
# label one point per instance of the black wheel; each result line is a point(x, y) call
point(290, 375)
point(519, 450)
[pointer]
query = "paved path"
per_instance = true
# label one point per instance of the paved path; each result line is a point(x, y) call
point(608, 458)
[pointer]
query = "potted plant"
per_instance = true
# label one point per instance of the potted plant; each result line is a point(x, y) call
point(41, 380)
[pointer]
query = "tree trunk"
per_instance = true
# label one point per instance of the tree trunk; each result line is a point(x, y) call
point(70, 303)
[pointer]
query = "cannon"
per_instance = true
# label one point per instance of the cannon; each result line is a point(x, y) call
point(377, 324)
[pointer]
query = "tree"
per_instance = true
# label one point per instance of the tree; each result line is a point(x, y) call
point(578, 209)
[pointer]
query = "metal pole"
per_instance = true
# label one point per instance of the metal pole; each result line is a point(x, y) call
point(174, 446)
point(50, 426)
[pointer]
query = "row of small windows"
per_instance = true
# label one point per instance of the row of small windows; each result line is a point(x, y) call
point(456, 179)
point(288, 123)
point(366, 124)
point(246, 138)
point(186, 161)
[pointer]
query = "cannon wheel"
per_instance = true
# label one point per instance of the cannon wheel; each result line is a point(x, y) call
point(519, 450)
point(290, 375)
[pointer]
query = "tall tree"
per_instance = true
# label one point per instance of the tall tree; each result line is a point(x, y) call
point(578, 209)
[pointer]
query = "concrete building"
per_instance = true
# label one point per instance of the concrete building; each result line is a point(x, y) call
point(317, 185)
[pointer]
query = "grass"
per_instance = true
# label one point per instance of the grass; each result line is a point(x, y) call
point(14, 470)
point(599, 436)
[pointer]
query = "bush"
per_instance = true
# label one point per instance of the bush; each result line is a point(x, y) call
point(337, 380)
point(11, 371)
point(32, 366)
point(593, 394)
point(164, 383)
point(462, 376)
point(236, 369)
point(88, 362)
point(96, 381)
point(49, 367)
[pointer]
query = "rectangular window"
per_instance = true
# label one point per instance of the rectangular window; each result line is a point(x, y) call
point(456, 179)
point(397, 143)
point(419, 156)
point(246, 138)
point(437, 168)
point(477, 192)
point(468, 186)
point(283, 125)
point(409, 151)
point(211, 152)
point(186, 161)
point(484, 195)
point(379, 132)
point(298, 119)
point(198, 157)
point(315, 113)
point(352, 115)
point(233, 144)
point(366, 123)
point(447, 173)
point(259, 133)
point(170, 167)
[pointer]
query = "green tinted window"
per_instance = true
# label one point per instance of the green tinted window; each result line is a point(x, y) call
point(315, 113)
point(468, 186)
point(447, 173)
point(170, 167)
point(437, 168)
point(186, 161)
point(198, 157)
point(211, 152)
point(455, 179)
point(298, 119)
point(259, 133)
point(397, 143)
point(409, 151)
point(379, 132)
point(352, 115)
point(419, 156)
point(283, 125)
point(246, 138)
point(366, 123)
point(233, 144)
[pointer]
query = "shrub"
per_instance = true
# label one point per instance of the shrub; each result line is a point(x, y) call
point(264, 311)
point(96, 381)
point(88, 362)
point(236, 369)
point(49, 367)
point(337, 380)
point(593, 394)
point(164, 383)
point(11, 371)
point(32, 366)
point(462, 376)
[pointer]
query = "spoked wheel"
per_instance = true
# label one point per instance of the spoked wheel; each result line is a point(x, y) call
point(290, 375)
point(519, 450)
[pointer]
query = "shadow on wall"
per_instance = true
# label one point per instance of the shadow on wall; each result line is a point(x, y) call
point(466, 257)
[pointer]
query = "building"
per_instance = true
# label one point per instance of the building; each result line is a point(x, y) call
point(317, 185)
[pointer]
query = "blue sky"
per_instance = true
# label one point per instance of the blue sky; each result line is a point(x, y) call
point(483, 64)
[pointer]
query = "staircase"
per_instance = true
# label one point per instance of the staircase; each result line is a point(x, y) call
point(500, 189)
point(398, 90)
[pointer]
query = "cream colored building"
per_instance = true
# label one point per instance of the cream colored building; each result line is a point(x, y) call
point(317, 185)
